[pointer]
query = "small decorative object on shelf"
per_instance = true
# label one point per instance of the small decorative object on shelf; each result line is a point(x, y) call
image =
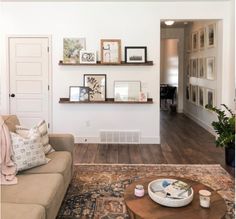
point(143, 96)
point(71, 49)
point(97, 85)
point(79, 93)
point(135, 54)
point(88, 57)
point(111, 51)
point(139, 191)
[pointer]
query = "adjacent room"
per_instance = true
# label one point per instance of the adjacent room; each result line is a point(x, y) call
point(114, 109)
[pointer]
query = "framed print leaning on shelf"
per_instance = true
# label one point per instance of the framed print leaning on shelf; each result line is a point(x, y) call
point(211, 35)
point(79, 93)
point(97, 86)
point(135, 54)
point(210, 68)
point(194, 41)
point(202, 38)
point(201, 67)
point(110, 51)
point(194, 93)
point(194, 68)
point(71, 49)
point(210, 97)
point(201, 97)
point(88, 57)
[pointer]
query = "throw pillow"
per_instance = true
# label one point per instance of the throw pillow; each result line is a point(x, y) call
point(42, 127)
point(27, 152)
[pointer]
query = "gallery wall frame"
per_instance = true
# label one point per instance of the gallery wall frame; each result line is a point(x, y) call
point(201, 96)
point(194, 41)
point(97, 86)
point(211, 35)
point(210, 68)
point(210, 97)
point(110, 51)
point(202, 38)
point(78, 93)
point(135, 54)
point(88, 57)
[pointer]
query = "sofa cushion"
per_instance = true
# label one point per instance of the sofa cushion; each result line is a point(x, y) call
point(11, 121)
point(22, 211)
point(61, 162)
point(43, 189)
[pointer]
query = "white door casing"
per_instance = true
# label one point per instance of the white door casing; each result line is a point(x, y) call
point(29, 79)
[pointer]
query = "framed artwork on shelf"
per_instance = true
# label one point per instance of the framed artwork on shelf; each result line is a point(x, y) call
point(88, 57)
point(194, 93)
point(188, 67)
point(135, 54)
point(210, 97)
point(97, 86)
point(202, 38)
point(110, 51)
point(71, 49)
point(194, 41)
point(127, 90)
point(187, 92)
point(194, 68)
point(79, 93)
point(201, 97)
point(201, 67)
point(210, 68)
point(211, 35)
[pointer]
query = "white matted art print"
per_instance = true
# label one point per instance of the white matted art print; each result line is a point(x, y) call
point(71, 49)
point(202, 38)
point(211, 35)
point(110, 51)
point(135, 54)
point(201, 96)
point(210, 97)
point(88, 57)
point(201, 67)
point(195, 41)
point(210, 68)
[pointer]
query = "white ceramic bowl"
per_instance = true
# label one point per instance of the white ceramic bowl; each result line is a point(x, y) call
point(169, 202)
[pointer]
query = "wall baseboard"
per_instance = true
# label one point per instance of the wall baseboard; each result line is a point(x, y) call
point(200, 122)
point(96, 140)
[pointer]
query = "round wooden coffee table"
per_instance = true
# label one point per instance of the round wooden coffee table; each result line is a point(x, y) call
point(147, 209)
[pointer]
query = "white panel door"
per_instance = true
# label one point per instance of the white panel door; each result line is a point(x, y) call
point(29, 79)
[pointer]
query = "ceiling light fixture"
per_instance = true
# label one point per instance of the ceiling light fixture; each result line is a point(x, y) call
point(169, 23)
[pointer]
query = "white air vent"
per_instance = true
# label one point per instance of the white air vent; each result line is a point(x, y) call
point(120, 137)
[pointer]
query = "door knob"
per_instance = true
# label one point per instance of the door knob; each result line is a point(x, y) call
point(12, 95)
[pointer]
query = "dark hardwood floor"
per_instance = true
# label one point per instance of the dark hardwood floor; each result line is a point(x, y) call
point(182, 142)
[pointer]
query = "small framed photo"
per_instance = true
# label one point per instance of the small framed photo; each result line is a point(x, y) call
point(71, 49)
point(194, 67)
point(97, 86)
point(194, 41)
point(210, 97)
point(135, 54)
point(201, 95)
point(201, 67)
point(88, 57)
point(210, 68)
point(211, 35)
point(202, 38)
point(79, 93)
point(110, 51)
point(194, 93)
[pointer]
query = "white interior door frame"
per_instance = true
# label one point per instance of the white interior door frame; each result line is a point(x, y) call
point(49, 37)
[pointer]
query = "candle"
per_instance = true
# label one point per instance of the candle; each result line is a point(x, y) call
point(205, 198)
point(139, 191)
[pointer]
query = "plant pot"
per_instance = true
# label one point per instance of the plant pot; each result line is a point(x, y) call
point(230, 156)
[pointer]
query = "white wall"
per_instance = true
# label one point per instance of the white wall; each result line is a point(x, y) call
point(134, 23)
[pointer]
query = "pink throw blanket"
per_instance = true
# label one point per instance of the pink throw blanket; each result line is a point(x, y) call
point(8, 168)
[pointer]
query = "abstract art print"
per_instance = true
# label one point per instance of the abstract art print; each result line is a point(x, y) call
point(71, 49)
point(110, 51)
point(88, 57)
point(97, 86)
point(135, 54)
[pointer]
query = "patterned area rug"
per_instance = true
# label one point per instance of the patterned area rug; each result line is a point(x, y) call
point(96, 191)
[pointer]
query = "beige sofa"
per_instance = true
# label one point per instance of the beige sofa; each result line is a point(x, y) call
point(40, 190)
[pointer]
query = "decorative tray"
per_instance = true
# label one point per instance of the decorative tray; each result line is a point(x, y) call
point(170, 192)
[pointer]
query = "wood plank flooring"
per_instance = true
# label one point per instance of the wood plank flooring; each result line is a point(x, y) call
point(182, 142)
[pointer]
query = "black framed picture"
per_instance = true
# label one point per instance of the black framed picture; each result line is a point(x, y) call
point(79, 93)
point(135, 54)
point(97, 86)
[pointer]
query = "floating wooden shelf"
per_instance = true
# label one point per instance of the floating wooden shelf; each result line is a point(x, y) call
point(148, 63)
point(108, 101)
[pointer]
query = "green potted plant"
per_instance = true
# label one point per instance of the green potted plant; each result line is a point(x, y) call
point(225, 129)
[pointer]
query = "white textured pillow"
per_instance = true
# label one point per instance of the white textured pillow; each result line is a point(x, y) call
point(42, 127)
point(28, 152)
